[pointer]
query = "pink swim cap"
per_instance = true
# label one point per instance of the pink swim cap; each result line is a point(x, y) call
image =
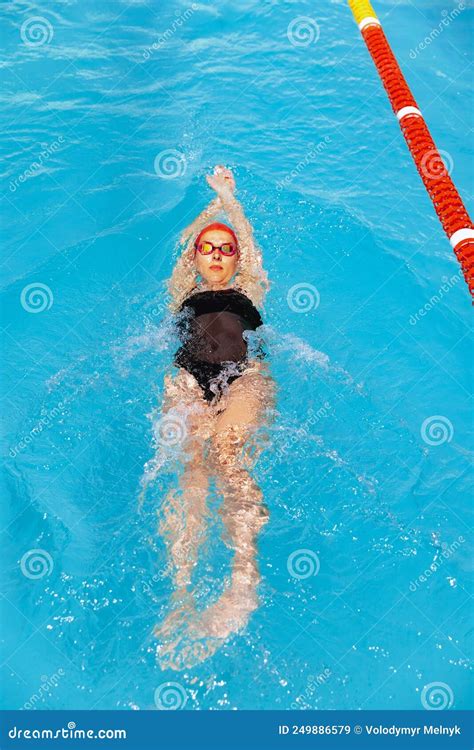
point(221, 227)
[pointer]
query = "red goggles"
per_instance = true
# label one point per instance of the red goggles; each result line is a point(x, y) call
point(206, 248)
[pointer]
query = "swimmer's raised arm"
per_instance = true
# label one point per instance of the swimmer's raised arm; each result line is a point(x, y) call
point(214, 207)
point(223, 182)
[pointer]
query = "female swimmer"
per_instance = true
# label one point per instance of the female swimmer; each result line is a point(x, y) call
point(222, 394)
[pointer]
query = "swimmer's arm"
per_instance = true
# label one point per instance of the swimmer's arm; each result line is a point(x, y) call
point(236, 215)
point(223, 182)
point(214, 207)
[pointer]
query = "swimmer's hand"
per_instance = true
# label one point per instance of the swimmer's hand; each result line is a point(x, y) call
point(222, 181)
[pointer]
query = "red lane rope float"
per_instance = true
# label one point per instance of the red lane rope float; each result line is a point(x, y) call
point(441, 189)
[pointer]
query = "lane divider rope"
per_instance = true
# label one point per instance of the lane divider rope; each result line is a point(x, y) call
point(433, 171)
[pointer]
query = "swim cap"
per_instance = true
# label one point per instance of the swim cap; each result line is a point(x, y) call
point(221, 227)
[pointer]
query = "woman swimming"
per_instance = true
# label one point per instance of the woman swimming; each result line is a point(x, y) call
point(221, 394)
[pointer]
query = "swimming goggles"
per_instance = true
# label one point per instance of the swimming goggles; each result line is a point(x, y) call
point(206, 248)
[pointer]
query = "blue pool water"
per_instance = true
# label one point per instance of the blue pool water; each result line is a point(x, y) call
point(368, 466)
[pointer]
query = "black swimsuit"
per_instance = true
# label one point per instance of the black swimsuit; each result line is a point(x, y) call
point(211, 334)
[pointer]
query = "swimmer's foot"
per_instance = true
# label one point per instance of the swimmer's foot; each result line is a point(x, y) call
point(174, 650)
point(185, 652)
point(181, 611)
point(178, 649)
point(231, 612)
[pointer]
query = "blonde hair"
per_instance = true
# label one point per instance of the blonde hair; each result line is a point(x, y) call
point(251, 279)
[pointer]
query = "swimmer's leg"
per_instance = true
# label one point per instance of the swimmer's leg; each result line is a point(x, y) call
point(243, 511)
point(183, 516)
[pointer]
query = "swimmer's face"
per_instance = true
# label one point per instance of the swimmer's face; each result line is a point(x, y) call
point(216, 268)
